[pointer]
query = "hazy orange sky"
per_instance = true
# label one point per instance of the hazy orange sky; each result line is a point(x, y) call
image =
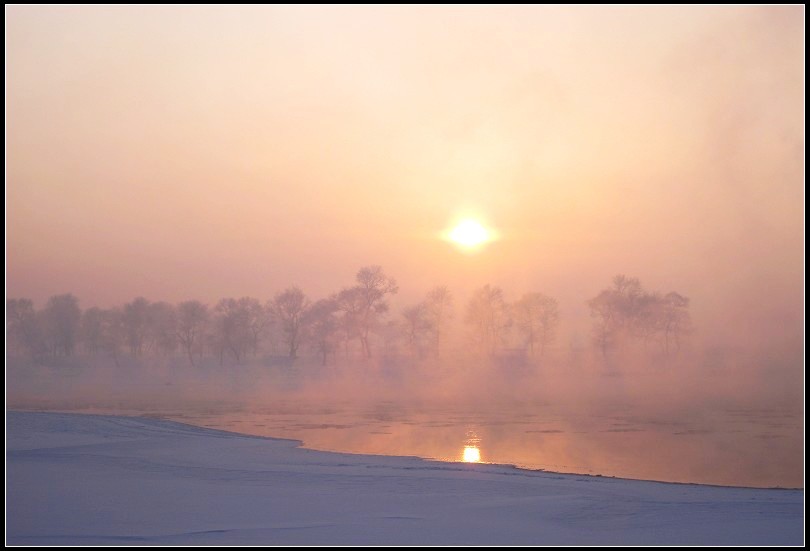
point(178, 152)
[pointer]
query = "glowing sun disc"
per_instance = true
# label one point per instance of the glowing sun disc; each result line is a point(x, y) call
point(469, 233)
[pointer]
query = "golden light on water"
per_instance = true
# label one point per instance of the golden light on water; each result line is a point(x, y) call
point(470, 234)
point(472, 454)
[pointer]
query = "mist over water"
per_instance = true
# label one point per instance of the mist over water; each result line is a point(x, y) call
point(682, 422)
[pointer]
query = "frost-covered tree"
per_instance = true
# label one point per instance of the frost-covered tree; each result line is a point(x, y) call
point(114, 332)
point(162, 328)
point(92, 330)
point(439, 310)
point(259, 320)
point(675, 320)
point(321, 323)
point(231, 329)
point(536, 317)
point(350, 304)
point(62, 324)
point(135, 319)
point(616, 311)
point(373, 287)
point(417, 327)
point(625, 311)
point(192, 321)
point(289, 308)
point(23, 328)
point(488, 316)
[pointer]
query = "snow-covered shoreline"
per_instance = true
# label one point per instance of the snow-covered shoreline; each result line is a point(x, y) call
point(90, 479)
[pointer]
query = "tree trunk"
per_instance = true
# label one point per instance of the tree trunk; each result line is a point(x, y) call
point(364, 346)
point(543, 342)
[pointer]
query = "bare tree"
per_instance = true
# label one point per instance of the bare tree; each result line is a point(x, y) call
point(417, 327)
point(350, 304)
point(322, 323)
point(617, 311)
point(373, 286)
point(162, 328)
point(259, 319)
point(135, 318)
point(289, 307)
point(92, 330)
point(537, 317)
point(390, 337)
point(231, 329)
point(62, 318)
point(676, 320)
point(628, 294)
point(488, 316)
point(604, 312)
point(23, 329)
point(192, 319)
point(647, 317)
point(114, 332)
point(439, 309)
point(626, 310)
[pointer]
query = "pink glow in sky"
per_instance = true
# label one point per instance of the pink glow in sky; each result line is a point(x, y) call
point(203, 152)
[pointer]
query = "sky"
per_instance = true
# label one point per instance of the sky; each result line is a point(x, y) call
point(203, 152)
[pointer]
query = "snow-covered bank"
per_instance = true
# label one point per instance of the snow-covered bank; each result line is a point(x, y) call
point(85, 479)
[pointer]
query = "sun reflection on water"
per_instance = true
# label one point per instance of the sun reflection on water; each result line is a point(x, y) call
point(472, 452)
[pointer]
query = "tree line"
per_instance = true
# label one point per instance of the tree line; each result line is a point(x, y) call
point(625, 311)
point(356, 318)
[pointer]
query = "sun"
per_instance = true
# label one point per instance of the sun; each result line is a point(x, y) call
point(469, 234)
